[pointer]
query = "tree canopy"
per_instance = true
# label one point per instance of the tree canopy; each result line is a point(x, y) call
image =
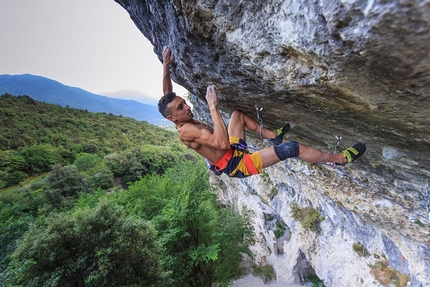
point(117, 203)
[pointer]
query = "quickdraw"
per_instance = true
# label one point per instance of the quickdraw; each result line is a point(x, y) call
point(338, 138)
point(260, 119)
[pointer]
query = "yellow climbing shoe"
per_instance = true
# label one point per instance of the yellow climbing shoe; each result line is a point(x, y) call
point(354, 152)
point(280, 134)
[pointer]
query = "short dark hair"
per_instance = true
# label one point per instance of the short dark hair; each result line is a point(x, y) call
point(163, 102)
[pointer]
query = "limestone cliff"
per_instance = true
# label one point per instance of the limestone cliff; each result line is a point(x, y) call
point(359, 69)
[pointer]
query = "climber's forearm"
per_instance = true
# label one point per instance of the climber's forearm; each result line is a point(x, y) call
point(167, 81)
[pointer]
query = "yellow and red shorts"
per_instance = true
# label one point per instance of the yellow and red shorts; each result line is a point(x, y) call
point(238, 161)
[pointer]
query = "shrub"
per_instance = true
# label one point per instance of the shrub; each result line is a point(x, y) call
point(280, 229)
point(315, 280)
point(99, 246)
point(360, 249)
point(86, 161)
point(308, 216)
point(265, 272)
point(388, 276)
point(67, 181)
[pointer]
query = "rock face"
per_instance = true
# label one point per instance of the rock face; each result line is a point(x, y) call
point(359, 69)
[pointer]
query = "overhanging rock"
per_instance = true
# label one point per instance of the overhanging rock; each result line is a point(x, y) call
point(359, 69)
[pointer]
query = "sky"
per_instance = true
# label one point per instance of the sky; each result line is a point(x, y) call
point(90, 44)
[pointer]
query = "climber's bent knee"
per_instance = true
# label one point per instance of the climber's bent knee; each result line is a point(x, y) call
point(287, 150)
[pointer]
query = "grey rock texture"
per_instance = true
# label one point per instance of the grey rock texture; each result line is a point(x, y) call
point(355, 68)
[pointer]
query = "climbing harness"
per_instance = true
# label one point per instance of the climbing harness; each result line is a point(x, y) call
point(151, 23)
point(260, 119)
point(243, 147)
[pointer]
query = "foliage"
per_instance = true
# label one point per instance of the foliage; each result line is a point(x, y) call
point(266, 272)
point(315, 280)
point(308, 216)
point(67, 181)
point(95, 170)
point(280, 229)
point(81, 234)
point(39, 158)
point(36, 135)
point(12, 168)
point(203, 242)
point(360, 249)
point(138, 162)
point(98, 246)
point(388, 276)
point(87, 161)
point(13, 223)
point(419, 223)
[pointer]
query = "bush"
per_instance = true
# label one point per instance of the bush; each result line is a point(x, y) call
point(315, 280)
point(39, 158)
point(67, 181)
point(134, 164)
point(98, 246)
point(103, 179)
point(280, 229)
point(360, 249)
point(13, 224)
point(86, 161)
point(388, 276)
point(265, 272)
point(308, 216)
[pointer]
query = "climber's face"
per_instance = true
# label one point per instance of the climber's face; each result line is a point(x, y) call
point(180, 111)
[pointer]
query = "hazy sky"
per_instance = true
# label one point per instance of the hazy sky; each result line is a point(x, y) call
point(90, 44)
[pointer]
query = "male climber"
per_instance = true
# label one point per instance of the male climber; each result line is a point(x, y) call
point(221, 146)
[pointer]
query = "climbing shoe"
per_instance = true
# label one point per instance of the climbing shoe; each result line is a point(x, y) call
point(280, 134)
point(354, 152)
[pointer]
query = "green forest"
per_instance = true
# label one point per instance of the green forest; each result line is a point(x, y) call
point(93, 199)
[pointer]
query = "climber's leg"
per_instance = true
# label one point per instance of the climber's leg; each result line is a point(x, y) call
point(315, 156)
point(273, 155)
point(239, 121)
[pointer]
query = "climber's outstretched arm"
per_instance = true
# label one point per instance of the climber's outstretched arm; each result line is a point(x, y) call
point(168, 58)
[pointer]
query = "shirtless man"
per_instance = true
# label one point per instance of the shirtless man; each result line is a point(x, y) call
point(225, 147)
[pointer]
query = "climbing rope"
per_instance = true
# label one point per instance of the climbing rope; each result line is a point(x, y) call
point(260, 120)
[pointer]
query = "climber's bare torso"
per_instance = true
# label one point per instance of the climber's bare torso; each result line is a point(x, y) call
point(197, 135)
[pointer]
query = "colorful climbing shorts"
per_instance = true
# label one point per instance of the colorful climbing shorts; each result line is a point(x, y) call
point(238, 161)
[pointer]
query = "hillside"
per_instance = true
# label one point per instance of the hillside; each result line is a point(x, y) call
point(35, 135)
point(50, 91)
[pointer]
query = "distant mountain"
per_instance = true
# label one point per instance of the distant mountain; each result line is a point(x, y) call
point(50, 91)
point(132, 95)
